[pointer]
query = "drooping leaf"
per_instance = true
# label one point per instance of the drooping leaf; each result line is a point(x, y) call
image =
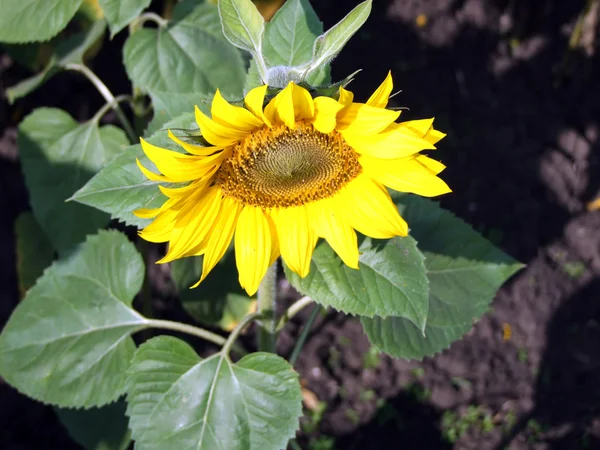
point(391, 280)
point(119, 13)
point(290, 34)
point(219, 300)
point(177, 400)
point(328, 45)
point(464, 271)
point(120, 187)
point(58, 156)
point(34, 251)
point(189, 55)
point(68, 342)
point(34, 20)
point(68, 51)
point(242, 24)
point(104, 428)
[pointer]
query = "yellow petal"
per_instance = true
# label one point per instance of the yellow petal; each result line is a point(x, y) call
point(145, 213)
point(431, 164)
point(331, 225)
point(179, 167)
point(326, 110)
point(380, 97)
point(346, 97)
point(194, 223)
point(424, 128)
point(252, 247)
point(221, 235)
point(393, 143)
point(255, 100)
point(434, 136)
point(233, 116)
point(275, 251)
point(296, 238)
point(182, 192)
point(406, 175)
point(363, 119)
point(149, 174)
point(197, 150)
point(421, 126)
point(368, 208)
point(162, 226)
point(218, 134)
point(304, 107)
point(281, 108)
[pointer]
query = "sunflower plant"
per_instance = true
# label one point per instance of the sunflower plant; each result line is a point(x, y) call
point(254, 168)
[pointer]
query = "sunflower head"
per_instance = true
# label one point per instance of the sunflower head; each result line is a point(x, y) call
point(276, 177)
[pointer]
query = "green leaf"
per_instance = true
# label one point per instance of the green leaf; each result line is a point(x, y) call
point(34, 251)
point(290, 34)
point(34, 20)
point(219, 300)
point(68, 342)
point(168, 105)
point(68, 51)
point(391, 280)
point(242, 24)
point(188, 56)
point(464, 270)
point(328, 45)
point(120, 187)
point(119, 13)
point(58, 156)
point(178, 400)
point(104, 428)
point(252, 77)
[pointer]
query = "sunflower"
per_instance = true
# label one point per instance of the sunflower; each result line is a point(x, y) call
point(276, 178)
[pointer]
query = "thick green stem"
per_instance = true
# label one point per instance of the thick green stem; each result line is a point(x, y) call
point(195, 331)
point(293, 310)
point(237, 330)
point(267, 294)
point(108, 96)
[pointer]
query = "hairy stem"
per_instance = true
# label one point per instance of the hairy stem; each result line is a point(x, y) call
point(107, 106)
point(108, 96)
point(293, 310)
point(194, 331)
point(267, 294)
point(237, 330)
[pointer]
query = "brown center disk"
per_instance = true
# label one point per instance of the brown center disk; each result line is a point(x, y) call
point(281, 167)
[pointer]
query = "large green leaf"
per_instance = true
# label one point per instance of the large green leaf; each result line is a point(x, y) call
point(464, 270)
point(58, 156)
point(169, 105)
point(119, 13)
point(68, 342)
point(242, 24)
point(34, 251)
point(34, 20)
point(328, 45)
point(290, 35)
point(104, 428)
point(120, 187)
point(178, 400)
point(391, 280)
point(219, 300)
point(189, 55)
point(68, 51)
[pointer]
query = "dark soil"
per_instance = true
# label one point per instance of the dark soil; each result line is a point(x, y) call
point(521, 113)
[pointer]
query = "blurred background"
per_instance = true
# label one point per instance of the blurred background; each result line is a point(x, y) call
point(515, 84)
